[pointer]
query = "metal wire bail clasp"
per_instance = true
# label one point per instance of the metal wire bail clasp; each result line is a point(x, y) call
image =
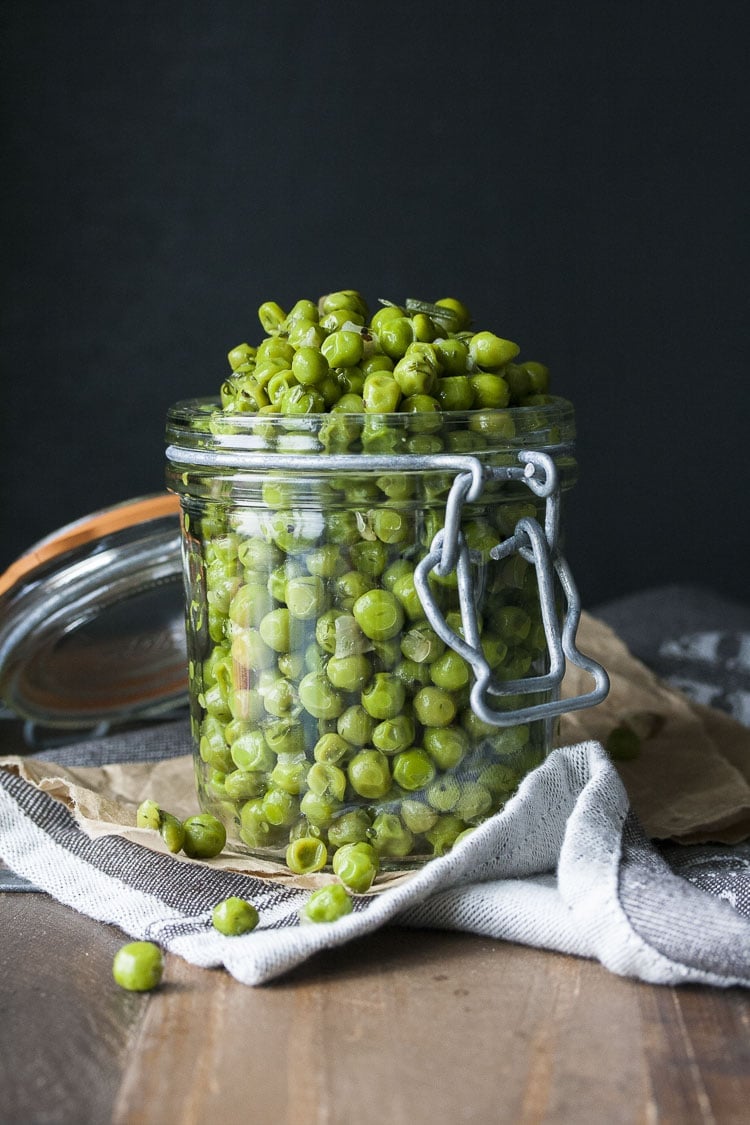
point(538, 546)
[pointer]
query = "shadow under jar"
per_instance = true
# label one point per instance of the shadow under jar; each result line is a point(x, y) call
point(378, 619)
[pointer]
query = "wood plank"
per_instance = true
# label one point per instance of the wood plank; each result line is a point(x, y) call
point(404, 1026)
point(697, 1043)
point(66, 1026)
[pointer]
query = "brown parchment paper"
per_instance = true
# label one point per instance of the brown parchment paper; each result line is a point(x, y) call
point(691, 780)
point(690, 783)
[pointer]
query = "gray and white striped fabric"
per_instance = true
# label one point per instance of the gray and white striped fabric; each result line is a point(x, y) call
point(565, 866)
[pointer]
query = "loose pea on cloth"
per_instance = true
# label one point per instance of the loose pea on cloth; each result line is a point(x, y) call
point(564, 866)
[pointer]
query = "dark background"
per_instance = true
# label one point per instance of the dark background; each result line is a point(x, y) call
point(577, 173)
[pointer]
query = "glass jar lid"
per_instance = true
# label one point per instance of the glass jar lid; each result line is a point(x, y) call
point(92, 620)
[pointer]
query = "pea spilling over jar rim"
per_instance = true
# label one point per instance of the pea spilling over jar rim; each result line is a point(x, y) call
point(378, 613)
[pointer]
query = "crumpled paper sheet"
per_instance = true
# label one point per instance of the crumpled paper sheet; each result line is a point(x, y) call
point(690, 783)
point(691, 780)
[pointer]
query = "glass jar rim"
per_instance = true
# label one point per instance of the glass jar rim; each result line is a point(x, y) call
point(200, 423)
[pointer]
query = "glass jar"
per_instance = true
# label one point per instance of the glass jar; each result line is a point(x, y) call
point(378, 619)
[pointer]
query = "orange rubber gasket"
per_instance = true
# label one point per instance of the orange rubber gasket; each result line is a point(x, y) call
point(86, 530)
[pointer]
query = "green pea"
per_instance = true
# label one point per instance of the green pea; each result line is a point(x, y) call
point(325, 561)
point(444, 794)
point(271, 317)
point(413, 675)
point(369, 557)
point(285, 736)
point(500, 779)
point(450, 671)
point(444, 833)
point(378, 614)
point(303, 309)
point(417, 816)
point(306, 854)
point(393, 735)
point(414, 376)
point(427, 413)
point(421, 644)
point(490, 391)
point(302, 400)
point(396, 486)
point(249, 604)
point(406, 592)
point(518, 380)
point(239, 355)
point(318, 696)
point(257, 554)
point(349, 300)
point(275, 348)
point(381, 393)
point(327, 904)
point(539, 377)
point(234, 916)
point(350, 673)
point(388, 653)
point(148, 815)
point(384, 697)
point(213, 748)
point(512, 623)
point(331, 748)
point(376, 363)
point(395, 334)
point(250, 650)
point(240, 785)
point(342, 528)
point(325, 630)
point(455, 392)
point(205, 836)
point(138, 966)
point(369, 774)
point(294, 531)
point(356, 865)
point(306, 597)
point(349, 828)
point(291, 665)
point(475, 801)
point(434, 707)
point(279, 807)
point(356, 726)
point(327, 780)
point(391, 525)
point(349, 403)
point(460, 315)
point(290, 773)
point(172, 832)
point(277, 386)
point(343, 348)
point(453, 355)
point(390, 836)
point(382, 316)
point(491, 351)
point(498, 424)
point(254, 830)
point(447, 746)
point(397, 568)
point(310, 366)
point(275, 630)
point(413, 769)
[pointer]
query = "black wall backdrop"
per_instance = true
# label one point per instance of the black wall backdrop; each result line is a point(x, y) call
point(575, 172)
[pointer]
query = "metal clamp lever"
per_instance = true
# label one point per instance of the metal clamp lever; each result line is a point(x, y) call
point(449, 551)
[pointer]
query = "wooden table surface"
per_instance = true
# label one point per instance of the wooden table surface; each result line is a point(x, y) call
point(405, 1026)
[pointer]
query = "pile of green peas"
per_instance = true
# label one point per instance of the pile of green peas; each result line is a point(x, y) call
point(333, 724)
